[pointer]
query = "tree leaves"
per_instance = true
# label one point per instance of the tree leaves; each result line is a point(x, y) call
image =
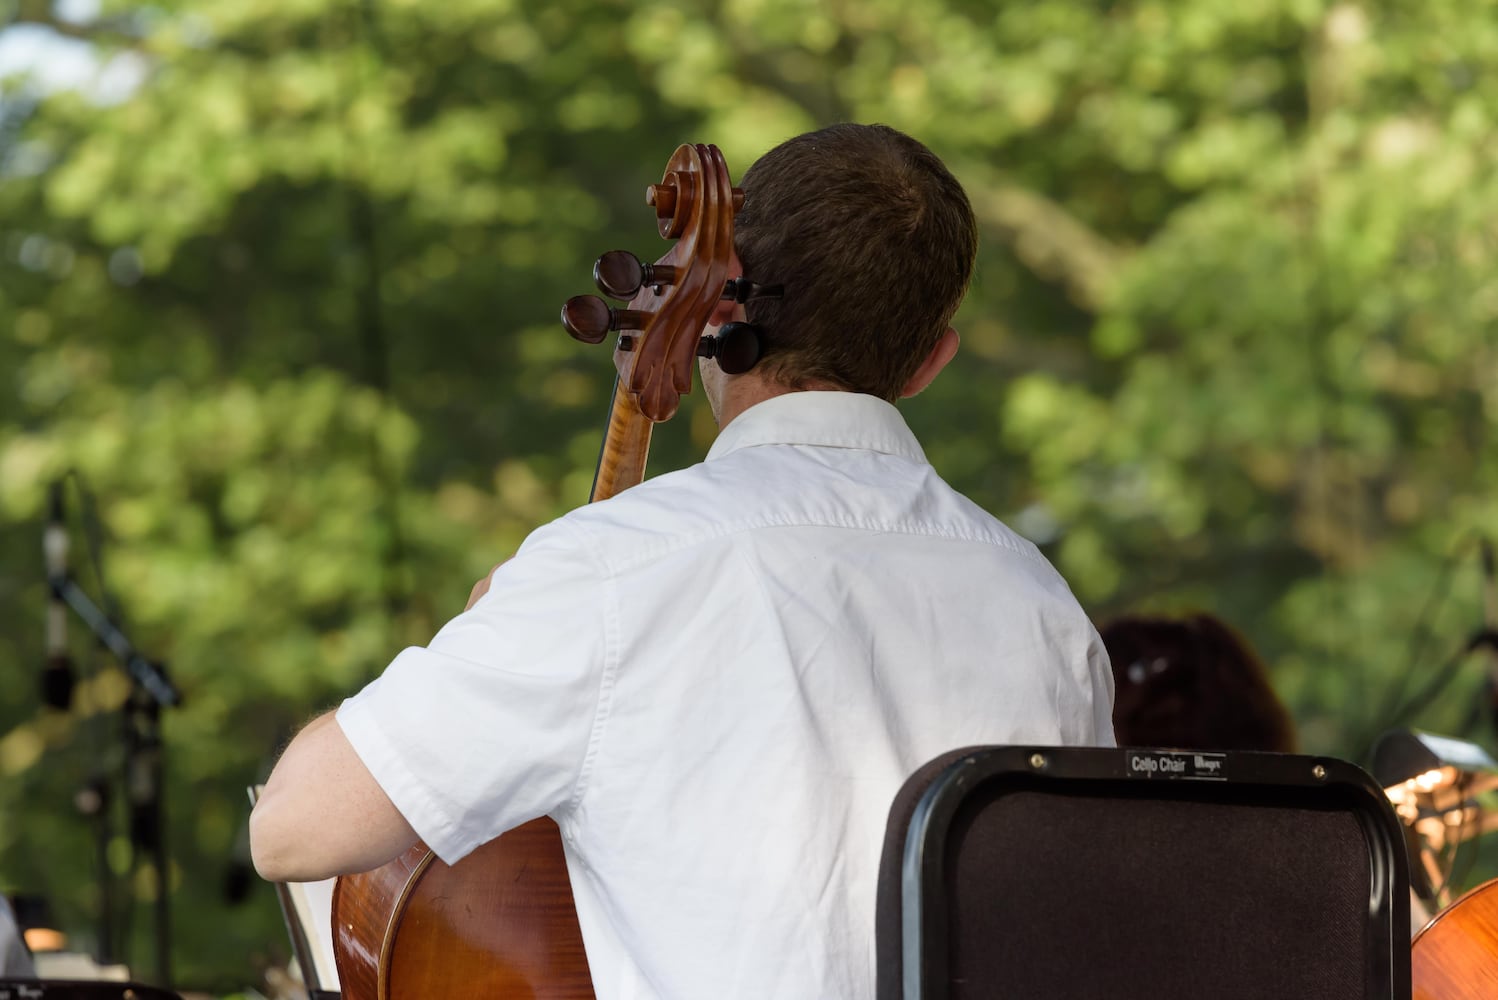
point(287, 300)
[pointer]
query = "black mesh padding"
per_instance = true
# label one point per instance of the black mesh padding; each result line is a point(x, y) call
point(1059, 896)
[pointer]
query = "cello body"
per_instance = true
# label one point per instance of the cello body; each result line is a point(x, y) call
point(501, 923)
point(1455, 957)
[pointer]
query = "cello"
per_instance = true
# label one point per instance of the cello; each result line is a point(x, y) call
point(1455, 956)
point(501, 922)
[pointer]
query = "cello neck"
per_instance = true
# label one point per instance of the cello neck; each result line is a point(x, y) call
point(626, 444)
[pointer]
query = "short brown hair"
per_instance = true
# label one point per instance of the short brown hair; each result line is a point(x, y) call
point(872, 240)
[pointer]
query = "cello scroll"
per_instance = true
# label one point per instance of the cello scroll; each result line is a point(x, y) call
point(671, 300)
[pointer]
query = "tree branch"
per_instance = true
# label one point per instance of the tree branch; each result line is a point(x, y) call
point(1046, 238)
point(114, 31)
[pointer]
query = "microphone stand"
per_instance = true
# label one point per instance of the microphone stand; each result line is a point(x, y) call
point(151, 691)
point(1487, 636)
point(93, 803)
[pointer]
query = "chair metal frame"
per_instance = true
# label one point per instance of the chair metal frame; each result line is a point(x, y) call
point(1147, 773)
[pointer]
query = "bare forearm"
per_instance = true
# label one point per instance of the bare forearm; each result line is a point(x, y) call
point(322, 813)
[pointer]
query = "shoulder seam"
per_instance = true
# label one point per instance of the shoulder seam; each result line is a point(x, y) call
point(918, 529)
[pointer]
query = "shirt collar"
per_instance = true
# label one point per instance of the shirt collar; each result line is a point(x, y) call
point(821, 419)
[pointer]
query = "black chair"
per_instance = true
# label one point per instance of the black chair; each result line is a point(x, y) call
point(1043, 873)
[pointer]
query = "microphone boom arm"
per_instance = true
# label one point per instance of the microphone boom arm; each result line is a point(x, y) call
point(147, 674)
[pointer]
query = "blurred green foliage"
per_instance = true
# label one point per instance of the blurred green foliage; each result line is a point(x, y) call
point(287, 301)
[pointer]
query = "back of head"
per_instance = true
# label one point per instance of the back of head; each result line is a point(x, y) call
point(873, 242)
point(1192, 683)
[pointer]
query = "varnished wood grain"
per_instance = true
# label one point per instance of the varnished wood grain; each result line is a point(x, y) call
point(363, 906)
point(626, 445)
point(1456, 956)
point(500, 923)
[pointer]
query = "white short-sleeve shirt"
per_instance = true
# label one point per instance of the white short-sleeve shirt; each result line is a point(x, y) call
point(716, 681)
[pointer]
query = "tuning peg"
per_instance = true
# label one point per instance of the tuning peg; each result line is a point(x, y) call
point(742, 290)
point(737, 347)
point(619, 274)
point(589, 319)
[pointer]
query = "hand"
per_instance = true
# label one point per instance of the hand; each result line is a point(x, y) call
point(482, 587)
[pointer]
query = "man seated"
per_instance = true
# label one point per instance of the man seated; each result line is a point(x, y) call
point(716, 681)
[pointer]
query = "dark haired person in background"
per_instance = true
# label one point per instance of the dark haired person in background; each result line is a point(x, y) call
point(1193, 683)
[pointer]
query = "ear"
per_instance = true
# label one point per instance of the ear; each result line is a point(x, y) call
point(944, 351)
point(727, 311)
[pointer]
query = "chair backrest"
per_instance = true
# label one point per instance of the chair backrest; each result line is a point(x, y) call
point(1044, 872)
